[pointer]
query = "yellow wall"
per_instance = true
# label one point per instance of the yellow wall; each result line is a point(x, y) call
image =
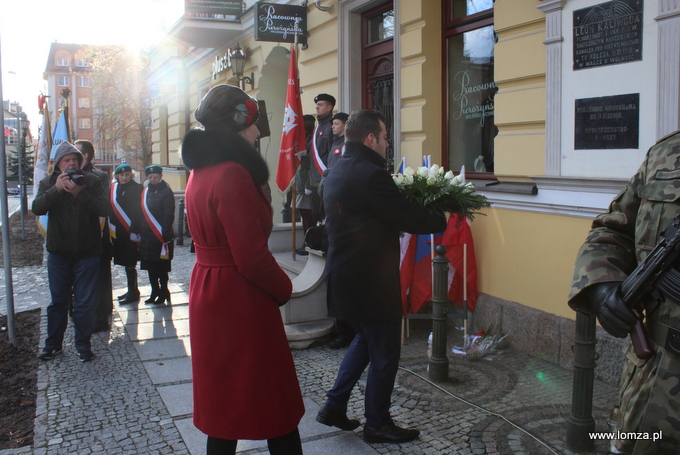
point(421, 73)
point(519, 72)
point(528, 257)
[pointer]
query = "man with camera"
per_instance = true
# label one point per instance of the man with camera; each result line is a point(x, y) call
point(73, 201)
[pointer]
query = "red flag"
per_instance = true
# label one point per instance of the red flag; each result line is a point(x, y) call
point(416, 266)
point(293, 139)
point(8, 131)
point(457, 234)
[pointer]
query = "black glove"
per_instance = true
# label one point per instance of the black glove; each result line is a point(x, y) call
point(614, 316)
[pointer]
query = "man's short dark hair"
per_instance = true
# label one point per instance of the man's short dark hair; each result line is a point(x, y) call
point(86, 147)
point(362, 123)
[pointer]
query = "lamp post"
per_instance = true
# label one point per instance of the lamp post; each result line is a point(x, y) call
point(238, 63)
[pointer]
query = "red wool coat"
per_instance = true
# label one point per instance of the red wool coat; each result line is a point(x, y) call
point(244, 379)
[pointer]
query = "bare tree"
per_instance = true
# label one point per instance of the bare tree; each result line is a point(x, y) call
point(121, 104)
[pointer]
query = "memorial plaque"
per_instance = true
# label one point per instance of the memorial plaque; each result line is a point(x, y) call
point(608, 34)
point(608, 122)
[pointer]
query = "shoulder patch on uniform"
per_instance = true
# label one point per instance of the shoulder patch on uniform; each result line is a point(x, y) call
point(667, 175)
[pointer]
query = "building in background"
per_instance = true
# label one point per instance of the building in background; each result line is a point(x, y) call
point(107, 100)
point(16, 125)
point(550, 105)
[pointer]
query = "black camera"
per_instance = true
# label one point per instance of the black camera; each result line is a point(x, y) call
point(76, 176)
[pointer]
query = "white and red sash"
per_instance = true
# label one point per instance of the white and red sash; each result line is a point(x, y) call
point(318, 162)
point(118, 211)
point(154, 225)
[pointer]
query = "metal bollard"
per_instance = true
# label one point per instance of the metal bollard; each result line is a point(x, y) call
point(439, 362)
point(180, 223)
point(581, 421)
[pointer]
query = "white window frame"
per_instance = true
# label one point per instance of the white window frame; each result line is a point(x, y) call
point(82, 63)
point(84, 103)
point(84, 123)
point(63, 61)
point(83, 81)
point(62, 79)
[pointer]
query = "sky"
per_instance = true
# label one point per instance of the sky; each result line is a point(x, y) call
point(27, 28)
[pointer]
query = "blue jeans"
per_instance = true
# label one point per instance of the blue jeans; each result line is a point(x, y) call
point(71, 277)
point(377, 343)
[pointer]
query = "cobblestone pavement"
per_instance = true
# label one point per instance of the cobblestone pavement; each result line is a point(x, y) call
point(510, 404)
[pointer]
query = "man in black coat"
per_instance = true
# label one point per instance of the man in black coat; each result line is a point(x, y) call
point(104, 296)
point(365, 215)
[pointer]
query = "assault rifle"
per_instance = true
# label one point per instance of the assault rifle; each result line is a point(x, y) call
point(644, 281)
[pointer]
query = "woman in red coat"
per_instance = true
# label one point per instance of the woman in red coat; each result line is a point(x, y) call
point(244, 379)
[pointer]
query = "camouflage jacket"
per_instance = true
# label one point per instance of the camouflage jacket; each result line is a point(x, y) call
point(630, 229)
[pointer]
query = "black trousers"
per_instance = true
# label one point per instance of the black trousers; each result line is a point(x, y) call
point(288, 444)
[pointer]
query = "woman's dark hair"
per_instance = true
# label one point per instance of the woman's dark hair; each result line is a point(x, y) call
point(362, 123)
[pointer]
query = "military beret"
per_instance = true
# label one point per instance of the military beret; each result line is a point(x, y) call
point(227, 106)
point(325, 97)
point(153, 169)
point(340, 116)
point(123, 168)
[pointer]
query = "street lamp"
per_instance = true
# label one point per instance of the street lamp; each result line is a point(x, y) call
point(238, 63)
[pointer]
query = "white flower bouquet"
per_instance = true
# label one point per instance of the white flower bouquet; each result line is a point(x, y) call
point(439, 191)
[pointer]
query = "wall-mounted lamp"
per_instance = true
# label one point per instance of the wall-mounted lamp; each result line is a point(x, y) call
point(238, 63)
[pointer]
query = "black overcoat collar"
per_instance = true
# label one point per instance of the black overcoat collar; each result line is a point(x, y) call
point(202, 148)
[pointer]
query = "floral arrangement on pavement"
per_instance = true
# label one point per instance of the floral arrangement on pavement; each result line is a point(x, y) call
point(440, 191)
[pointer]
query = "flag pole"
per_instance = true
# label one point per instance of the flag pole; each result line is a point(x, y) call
point(465, 301)
point(293, 206)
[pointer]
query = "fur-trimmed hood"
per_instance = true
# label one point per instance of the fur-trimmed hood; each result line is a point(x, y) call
point(202, 148)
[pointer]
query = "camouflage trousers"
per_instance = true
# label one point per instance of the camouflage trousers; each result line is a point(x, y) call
point(649, 404)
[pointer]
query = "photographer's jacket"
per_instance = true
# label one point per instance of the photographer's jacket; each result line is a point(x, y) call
point(73, 228)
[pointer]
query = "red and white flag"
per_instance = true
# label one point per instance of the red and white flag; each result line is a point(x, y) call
point(293, 139)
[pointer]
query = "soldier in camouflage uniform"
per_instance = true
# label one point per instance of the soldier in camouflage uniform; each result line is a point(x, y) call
point(617, 242)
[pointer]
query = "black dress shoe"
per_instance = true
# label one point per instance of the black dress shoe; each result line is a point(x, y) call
point(340, 340)
point(389, 433)
point(129, 299)
point(333, 418)
point(123, 296)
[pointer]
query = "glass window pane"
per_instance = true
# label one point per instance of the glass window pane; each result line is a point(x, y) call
point(462, 8)
point(381, 27)
point(471, 91)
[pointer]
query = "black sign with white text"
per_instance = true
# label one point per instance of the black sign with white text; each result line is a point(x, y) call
point(280, 23)
point(607, 34)
point(607, 122)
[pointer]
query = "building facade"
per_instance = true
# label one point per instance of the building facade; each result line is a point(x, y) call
point(550, 106)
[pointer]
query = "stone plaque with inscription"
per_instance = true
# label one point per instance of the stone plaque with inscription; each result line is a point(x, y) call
point(607, 34)
point(607, 122)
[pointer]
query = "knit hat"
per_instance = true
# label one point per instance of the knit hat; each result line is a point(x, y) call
point(340, 116)
point(227, 106)
point(153, 169)
point(123, 168)
point(325, 97)
point(66, 148)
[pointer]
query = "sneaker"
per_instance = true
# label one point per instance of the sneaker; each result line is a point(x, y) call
point(48, 354)
point(85, 356)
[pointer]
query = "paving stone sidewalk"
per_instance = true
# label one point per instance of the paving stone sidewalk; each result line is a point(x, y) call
point(135, 397)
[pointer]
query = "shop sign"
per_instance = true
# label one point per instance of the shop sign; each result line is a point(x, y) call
point(607, 122)
point(223, 7)
point(221, 63)
point(607, 34)
point(280, 23)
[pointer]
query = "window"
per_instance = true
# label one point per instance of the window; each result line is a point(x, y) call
point(82, 63)
point(63, 62)
point(469, 39)
point(381, 27)
point(84, 103)
point(64, 81)
point(84, 123)
point(83, 81)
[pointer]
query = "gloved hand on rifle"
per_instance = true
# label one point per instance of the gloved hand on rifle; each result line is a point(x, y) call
point(614, 316)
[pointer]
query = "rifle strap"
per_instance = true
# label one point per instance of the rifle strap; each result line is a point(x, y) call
point(664, 335)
